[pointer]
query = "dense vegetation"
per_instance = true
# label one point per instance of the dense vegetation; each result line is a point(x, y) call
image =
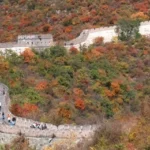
point(111, 79)
point(65, 19)
point(59, 87)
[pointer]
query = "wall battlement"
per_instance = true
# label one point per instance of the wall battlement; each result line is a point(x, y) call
point(37, 41)
point(23, 125)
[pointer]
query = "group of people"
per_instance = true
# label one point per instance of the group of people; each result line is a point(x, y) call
point(11, 120)
point(40, 126)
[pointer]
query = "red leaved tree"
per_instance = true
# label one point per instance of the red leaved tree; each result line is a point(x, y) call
point(41, 85)
point(79, 103)
point(28, 55)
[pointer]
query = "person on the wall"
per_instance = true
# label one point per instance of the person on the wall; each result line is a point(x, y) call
point(0, 106)
point(13, 122)
point(3, 115)
point(8, 118)
point(3, 91)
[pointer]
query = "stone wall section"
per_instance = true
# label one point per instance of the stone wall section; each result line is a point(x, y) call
point(108, 33)
point(22, 126)
point(85, 38)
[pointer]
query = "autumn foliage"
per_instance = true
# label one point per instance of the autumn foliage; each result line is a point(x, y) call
point(41, 85)
point(79, 103)
point(67, 20)
point(73, 50)
point(28, 55)
point(65, 113)
point(24, 110)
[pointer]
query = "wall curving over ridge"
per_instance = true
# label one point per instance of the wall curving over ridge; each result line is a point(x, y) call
point(85, 38)
point(23, 125)
point(108, 33)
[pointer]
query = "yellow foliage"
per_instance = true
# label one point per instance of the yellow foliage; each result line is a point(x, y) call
point(139, 15)
point(115, 39)
point(48, 148)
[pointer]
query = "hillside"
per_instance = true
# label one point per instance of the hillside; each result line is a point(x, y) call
point(65, 19)
point(106, 81)
point(58, 87)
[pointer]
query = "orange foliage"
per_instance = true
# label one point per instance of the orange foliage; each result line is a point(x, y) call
point(24, 110)
point(98, 40)
point(4, 65)
point(79, 103)
point(139, 86)
point(12, 83)
point(25, 22)
point(142, 6)
point(46, 28)
point(130, 146)
point(95, 52)
point(22, 1)
point(101, 49)
point(93, 12)
point(145, 52)
point(73, 50)
point(109, 93)
point(119, 46)
point(139, 15)
point(41, 85)
point(115, 86)
point(16, 109)
point(28, 55)
point(85, 18)
point(54, 83)
point(78, 92)
point(66, 113)
point(68, 29)
point(29, 108)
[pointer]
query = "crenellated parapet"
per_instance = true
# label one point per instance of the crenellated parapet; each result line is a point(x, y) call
point(23, 125)
point(36, 41)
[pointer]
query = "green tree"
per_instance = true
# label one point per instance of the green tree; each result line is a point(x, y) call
point(128, 29)
point(53, 52)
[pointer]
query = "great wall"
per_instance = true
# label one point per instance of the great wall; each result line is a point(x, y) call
point(36, 136)
point(86, 37)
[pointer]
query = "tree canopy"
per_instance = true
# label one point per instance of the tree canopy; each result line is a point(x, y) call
point(128, 29)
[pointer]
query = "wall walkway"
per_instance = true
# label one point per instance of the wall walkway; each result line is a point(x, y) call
point(23, 125)
point(108, 33)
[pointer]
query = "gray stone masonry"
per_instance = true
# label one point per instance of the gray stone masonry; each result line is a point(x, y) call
point(7, 132)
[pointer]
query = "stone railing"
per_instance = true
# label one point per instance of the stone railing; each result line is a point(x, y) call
point(61, 131)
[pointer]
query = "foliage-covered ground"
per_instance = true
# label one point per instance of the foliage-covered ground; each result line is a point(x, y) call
point(65, 19)
point(112, 138)
point(59, 87)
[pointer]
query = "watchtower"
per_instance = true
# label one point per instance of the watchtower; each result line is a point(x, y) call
point(36, 40)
